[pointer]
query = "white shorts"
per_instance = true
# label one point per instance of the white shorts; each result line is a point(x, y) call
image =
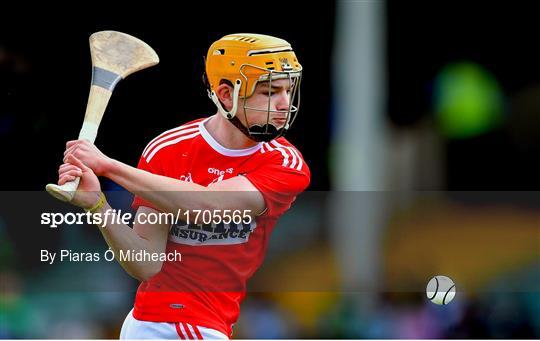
point(137, 329)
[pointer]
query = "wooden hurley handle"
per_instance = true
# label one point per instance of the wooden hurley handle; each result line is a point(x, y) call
point(115, 55)
point(97, 103)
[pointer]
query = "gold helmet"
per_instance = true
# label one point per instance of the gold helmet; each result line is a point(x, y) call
point(245, 59)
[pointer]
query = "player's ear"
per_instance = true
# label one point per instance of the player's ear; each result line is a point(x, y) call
point(224, 93)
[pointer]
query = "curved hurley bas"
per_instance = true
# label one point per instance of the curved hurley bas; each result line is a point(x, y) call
point(115, 56)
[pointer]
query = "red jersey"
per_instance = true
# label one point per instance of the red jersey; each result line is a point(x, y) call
point(207, 286)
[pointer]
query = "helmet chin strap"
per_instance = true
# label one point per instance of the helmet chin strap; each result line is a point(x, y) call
point(257, 132)
point(232, 113)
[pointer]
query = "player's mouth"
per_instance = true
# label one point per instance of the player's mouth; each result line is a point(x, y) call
point(279, 121)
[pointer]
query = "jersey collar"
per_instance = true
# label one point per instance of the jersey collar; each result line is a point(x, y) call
point(222, 150)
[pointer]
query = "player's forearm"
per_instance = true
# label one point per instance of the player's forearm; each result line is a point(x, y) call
point(167, 194)
point(121, 237)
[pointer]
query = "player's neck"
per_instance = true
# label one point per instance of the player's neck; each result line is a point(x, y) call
point(227, 134)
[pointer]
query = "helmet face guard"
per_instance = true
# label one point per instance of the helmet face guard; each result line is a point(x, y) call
point(267, 131)
point(245, 71)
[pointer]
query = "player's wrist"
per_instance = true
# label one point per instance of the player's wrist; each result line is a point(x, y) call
point(100, 202)
point(106, 167)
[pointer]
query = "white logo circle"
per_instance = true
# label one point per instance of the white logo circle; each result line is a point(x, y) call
point(440, 290)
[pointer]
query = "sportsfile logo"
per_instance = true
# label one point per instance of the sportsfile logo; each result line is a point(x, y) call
point(111, 216)
point(54, 220)
point(182, 217)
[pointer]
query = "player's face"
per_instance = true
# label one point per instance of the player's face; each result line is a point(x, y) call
point(278, 95)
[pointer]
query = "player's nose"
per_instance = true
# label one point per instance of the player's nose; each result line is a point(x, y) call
point(282, 100)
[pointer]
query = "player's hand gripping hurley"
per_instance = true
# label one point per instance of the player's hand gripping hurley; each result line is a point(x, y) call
point(115, 56)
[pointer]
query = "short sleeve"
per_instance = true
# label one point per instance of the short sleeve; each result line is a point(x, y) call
point(279, 183)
